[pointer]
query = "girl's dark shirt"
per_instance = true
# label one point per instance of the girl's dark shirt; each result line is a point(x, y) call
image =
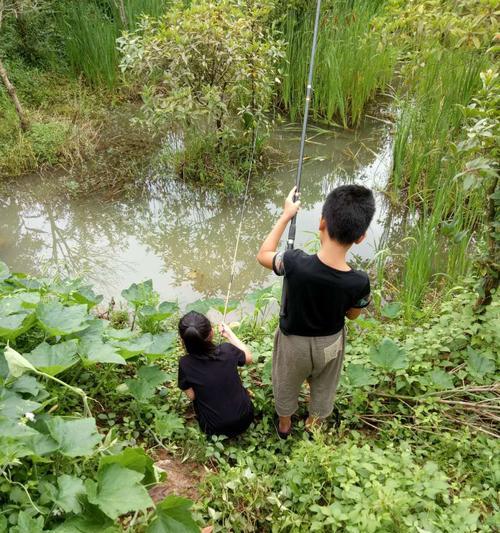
point(318, 296)
point(220, 398)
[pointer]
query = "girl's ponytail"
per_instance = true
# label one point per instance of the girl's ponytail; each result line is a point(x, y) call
point(195, 331)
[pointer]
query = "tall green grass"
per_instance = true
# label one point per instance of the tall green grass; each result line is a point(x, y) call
point(429, 120)
point(424, 170)
point(352, 63)
point(89, 31)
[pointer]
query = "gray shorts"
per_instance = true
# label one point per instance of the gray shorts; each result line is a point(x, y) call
point(315, 359)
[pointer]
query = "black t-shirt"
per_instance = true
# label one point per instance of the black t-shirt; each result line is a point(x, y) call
point(318, 295)
point(221, 401)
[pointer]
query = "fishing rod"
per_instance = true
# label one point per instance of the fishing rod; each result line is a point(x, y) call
point(290, 242)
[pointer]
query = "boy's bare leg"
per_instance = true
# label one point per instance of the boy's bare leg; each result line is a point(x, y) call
point(285, 423)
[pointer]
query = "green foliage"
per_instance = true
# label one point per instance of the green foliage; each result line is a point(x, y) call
point(60, 470)
point(89, 31)
point(210, 69)
point(48, 141)
point(415, 448)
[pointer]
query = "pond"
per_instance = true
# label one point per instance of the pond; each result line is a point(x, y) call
point(183, 237)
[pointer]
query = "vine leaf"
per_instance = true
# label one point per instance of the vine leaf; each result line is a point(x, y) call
point(57, 319)
point(118, 491)
point(389, 356)
point(68, 493)
point(139, 293)
point(75, 437)
point(134, 459)
point(93, 350)
point(173, 516)
point(162, 344)
point(479, 365)
point(391, 310)
point(441, 379)
point(13, 325)
point(53, 359)
point(144, 386)
point(360, 376)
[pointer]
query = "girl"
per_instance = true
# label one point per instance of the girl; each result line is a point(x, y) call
point(208, 375)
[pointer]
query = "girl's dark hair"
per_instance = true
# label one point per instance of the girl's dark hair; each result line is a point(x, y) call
point(195, 329)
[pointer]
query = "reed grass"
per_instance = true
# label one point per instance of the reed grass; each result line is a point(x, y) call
point(429, 121)
point(352, 63)
point(89, 31)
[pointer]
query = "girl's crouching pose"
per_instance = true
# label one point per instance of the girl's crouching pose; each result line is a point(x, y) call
point(209, 376)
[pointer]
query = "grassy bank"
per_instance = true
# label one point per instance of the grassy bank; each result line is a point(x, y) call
point(417, 446)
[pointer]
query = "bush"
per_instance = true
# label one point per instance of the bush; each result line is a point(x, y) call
point(209, 69)
point(48, 141)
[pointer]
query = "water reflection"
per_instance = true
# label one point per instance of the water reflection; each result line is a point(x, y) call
point(181, 237)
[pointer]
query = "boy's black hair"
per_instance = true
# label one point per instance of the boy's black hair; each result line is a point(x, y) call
point(195, 330)
point(348, 211)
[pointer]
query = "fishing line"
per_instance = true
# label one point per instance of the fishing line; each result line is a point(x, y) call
point(293, 223)
point(242, 214)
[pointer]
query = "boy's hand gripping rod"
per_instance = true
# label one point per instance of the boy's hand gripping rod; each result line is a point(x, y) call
point(293, 223)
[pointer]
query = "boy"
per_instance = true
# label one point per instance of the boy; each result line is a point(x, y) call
point(322, 289)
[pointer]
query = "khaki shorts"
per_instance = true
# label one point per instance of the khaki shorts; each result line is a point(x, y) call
point(315, 359)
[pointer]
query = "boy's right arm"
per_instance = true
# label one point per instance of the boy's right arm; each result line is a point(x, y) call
point(269, 246)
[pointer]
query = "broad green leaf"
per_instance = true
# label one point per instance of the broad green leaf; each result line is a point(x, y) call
point(75, 437)
point(90, 520)
point(166, 424)
point(440, 379)
point(15, 440)
point(14, 406)
point(144, 386)
point(96, 351)
point(172, 515)
point(10, 305)
point(164, 311)
point(54, 358)
point(392, 310)
point(69, 491)
point(4, 271)
point(27, 524)
point(120, 334)
point(57, 319)
point(13, 325)
point(118, 490)
point(135, 346)
point(22, 280)
point(18, 302)
point(479, 365)
point(162, 344)
point(134, 459)
point(360, 375)
point(17, 364)
point(260, 294)
point(96, 328)
point(27, 385)
point(203, 306)
point(85, 295)
point(139, 293)
point(388, 355)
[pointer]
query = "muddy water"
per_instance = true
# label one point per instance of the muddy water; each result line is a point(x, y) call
point(178, 235)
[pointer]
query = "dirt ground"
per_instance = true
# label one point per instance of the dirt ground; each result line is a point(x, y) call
point(183, 478)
